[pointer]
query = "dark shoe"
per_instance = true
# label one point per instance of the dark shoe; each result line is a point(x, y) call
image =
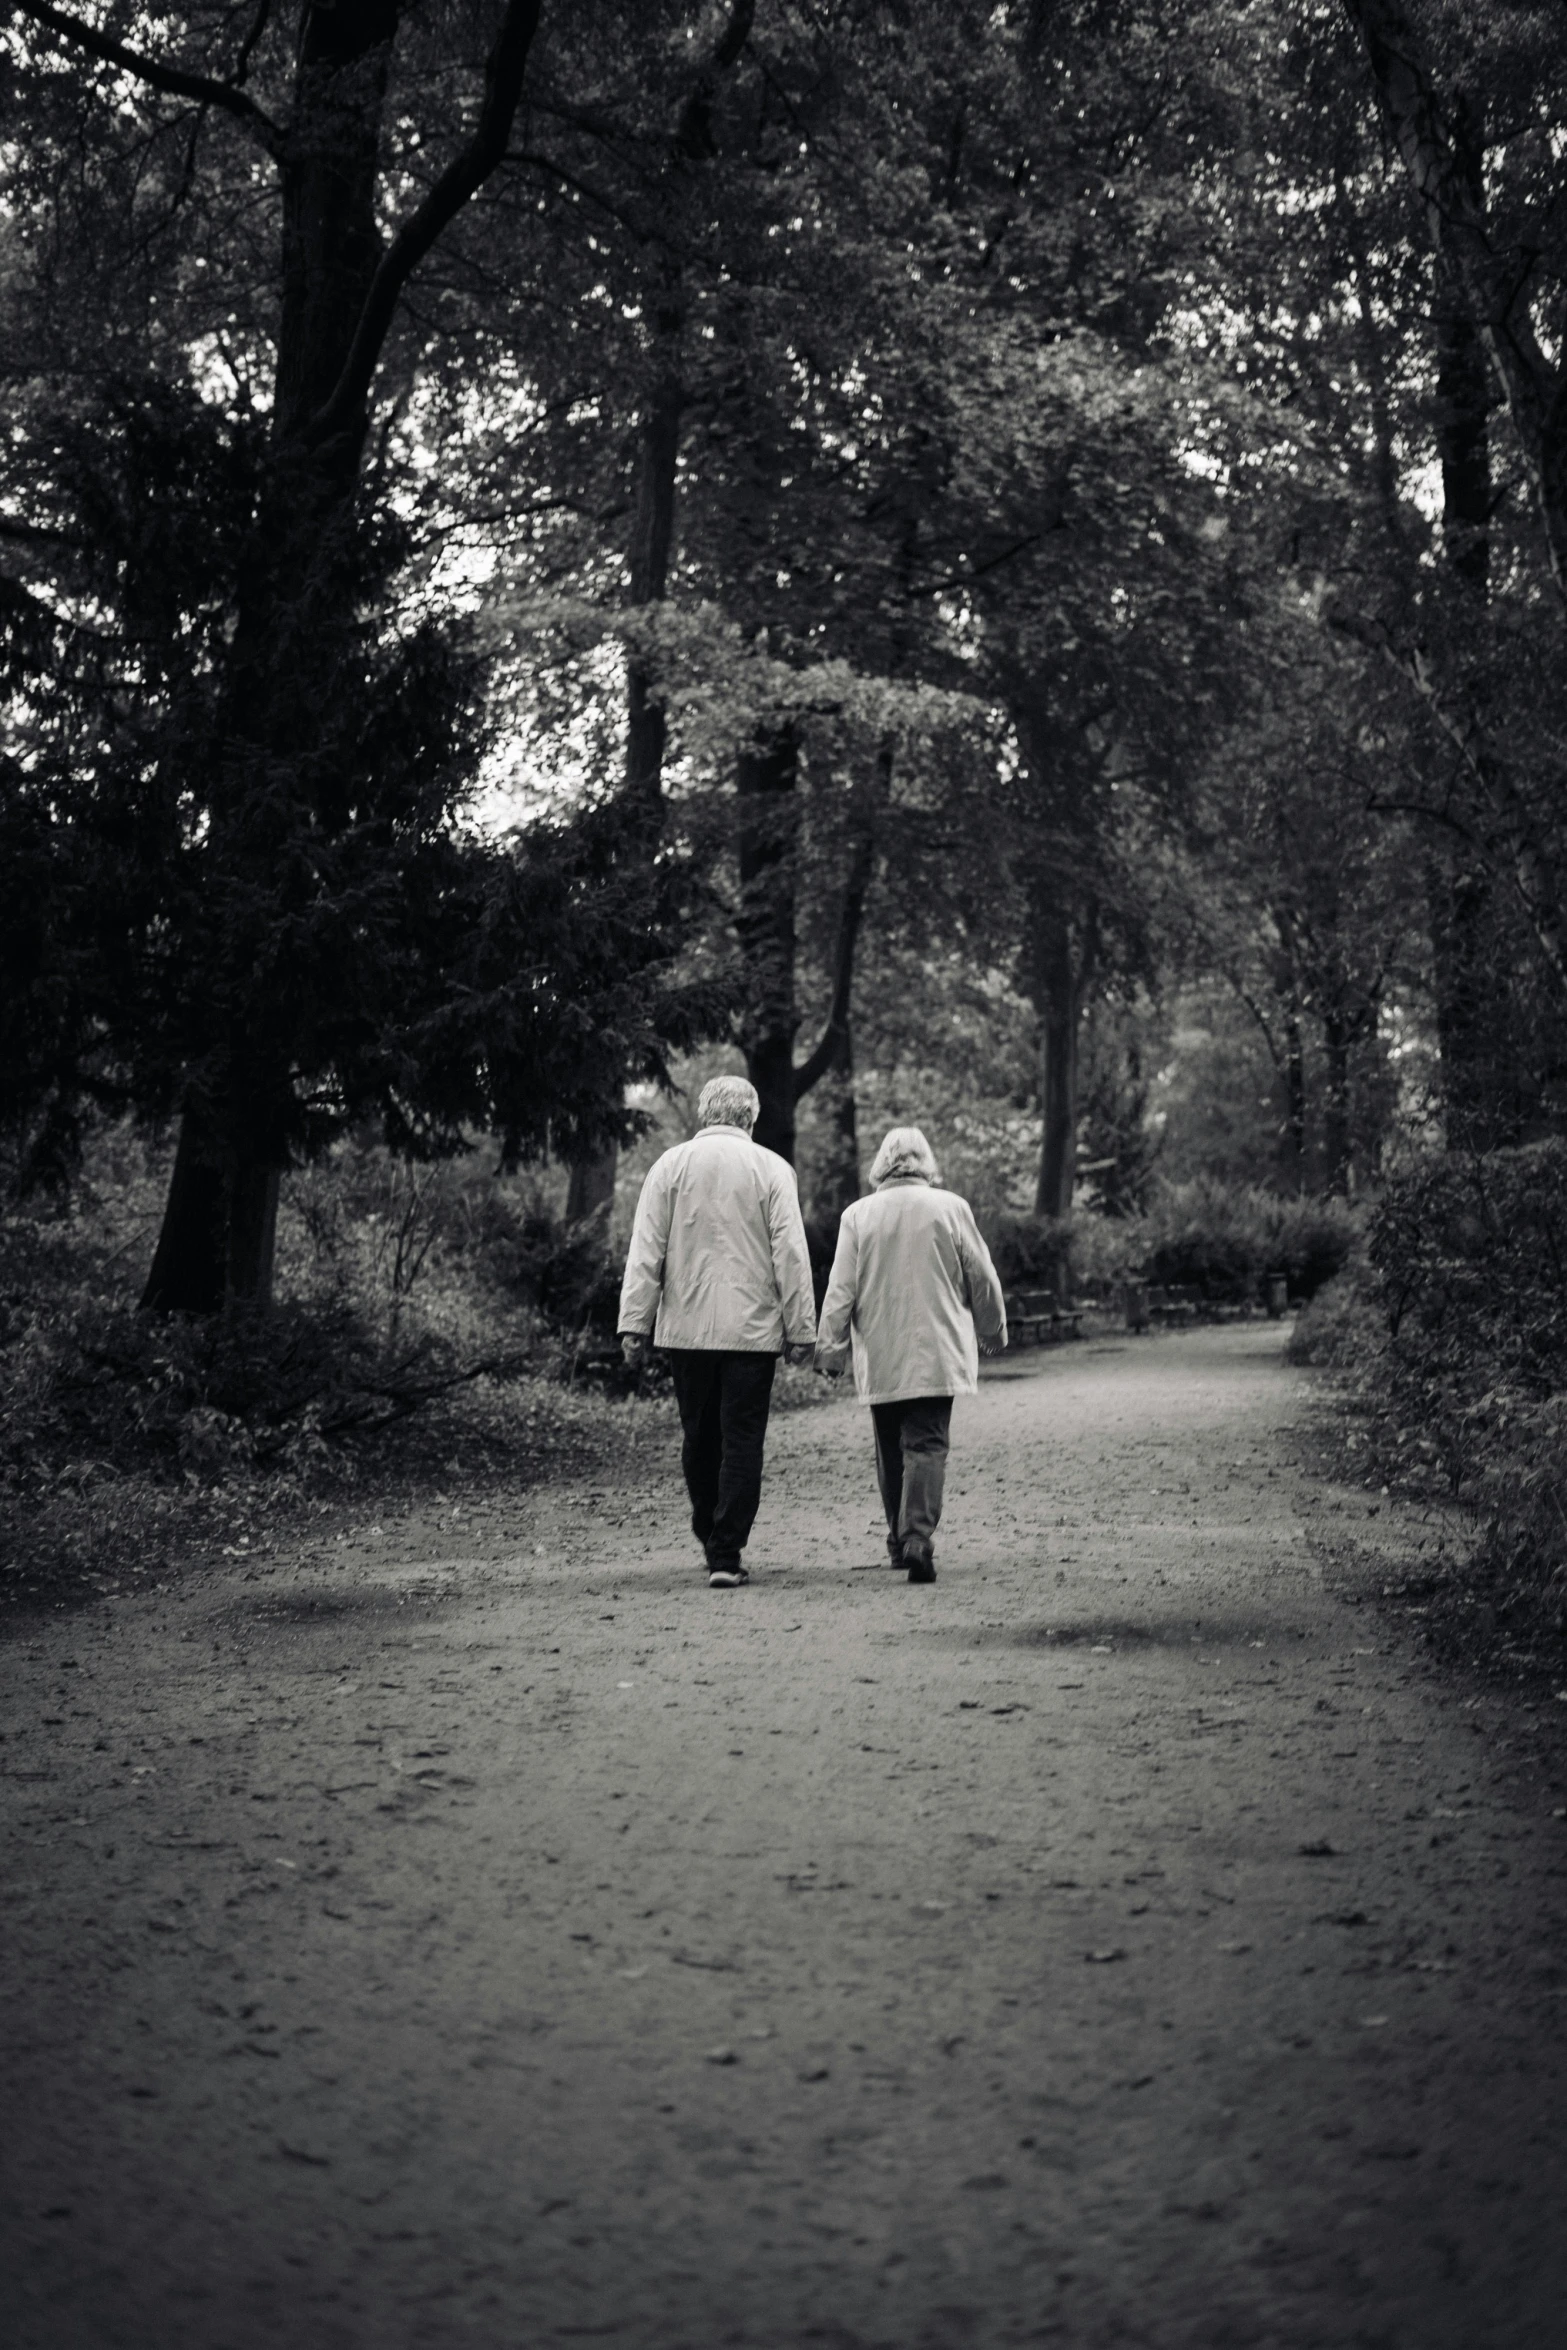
point(727, 1578)
point(895, 1558)
point(920, 1560)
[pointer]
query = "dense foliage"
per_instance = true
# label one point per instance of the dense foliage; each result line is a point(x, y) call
point(1452, 1333)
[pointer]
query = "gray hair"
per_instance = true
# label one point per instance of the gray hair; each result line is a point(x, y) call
point(728, 1101)
point(904, 1151)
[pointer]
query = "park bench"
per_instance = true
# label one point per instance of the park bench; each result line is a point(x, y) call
point(1036, 1317)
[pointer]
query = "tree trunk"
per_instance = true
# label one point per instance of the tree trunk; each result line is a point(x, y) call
point(1294, 1074)
point(288, 629)
point(769, 826)
point(297, 603)
point(590, 1191)
point(1439, 139)
point(592, 1183)
point(190, 1261)
point(832, 1062)
point(1463, 393)
point(1336, 1105)
point(838, 1185)
point(1058, 1041)
point(1480, 1095)
point(1062, 972)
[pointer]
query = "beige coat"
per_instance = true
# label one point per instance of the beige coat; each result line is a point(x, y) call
point(718, 1251)
point(911, 1283)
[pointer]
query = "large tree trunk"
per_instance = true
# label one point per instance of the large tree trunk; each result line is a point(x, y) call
point(216, 1242)
point(769, 826)
point(297, 603)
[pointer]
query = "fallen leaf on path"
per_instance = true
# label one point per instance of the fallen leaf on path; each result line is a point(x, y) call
point(1320, 1850)
point(298, 2154)
point(1102, 1957)
point(722, 2056)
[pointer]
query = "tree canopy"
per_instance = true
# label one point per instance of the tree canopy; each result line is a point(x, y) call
point(921, 507)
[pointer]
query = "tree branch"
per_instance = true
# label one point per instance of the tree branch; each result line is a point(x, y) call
point(1533, 870)
point(1494, 290)
point(174, 80)
point(457, 185)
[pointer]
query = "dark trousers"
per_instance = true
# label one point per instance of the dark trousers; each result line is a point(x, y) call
point(911, 1468)
point(723, 1403)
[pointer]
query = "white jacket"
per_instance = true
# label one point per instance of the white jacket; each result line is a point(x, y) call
point(718, 1250)
point(911, 1282)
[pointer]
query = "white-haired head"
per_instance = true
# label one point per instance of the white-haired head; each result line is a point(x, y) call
point(728, 1101)
point(904, 1152)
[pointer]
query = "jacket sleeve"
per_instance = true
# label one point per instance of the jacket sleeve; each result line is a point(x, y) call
point(832, 1343)
point(643, 1282)
point(791, 1259)
point(986, 1301)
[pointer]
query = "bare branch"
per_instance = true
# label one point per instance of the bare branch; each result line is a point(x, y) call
point(175, 80)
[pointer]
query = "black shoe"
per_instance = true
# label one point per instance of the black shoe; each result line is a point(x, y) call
point(727, 1578)
point(921, 1563)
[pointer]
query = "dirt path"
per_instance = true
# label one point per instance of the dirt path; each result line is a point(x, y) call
point(483, 1934)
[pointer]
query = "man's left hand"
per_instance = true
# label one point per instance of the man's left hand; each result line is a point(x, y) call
point(633, 1346)
point(993, 1346)
point(802, 1352)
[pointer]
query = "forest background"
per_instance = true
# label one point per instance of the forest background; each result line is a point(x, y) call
point(993, 565)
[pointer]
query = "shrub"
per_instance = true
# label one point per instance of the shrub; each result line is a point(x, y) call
point(1309, 1240)
point(1471, 1254)
point(1208, 1236)
point(1029, 1251)
point(1344, 1327)
point(1217, 1238)
point(1453, 1328)
point(1223, 1239)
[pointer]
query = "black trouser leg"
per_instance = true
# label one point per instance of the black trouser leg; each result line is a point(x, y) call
point(747, 1394)
point(724, 1401)
point(695, 1377)
point(911, 1468)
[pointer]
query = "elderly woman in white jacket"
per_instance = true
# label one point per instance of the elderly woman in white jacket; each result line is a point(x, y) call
point(912, 1284)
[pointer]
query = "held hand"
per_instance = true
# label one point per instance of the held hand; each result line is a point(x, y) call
point(634, 1348)
point(993, 1346)
point(801, 1352)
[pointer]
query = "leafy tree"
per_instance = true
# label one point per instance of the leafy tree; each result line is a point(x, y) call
point(217, 680)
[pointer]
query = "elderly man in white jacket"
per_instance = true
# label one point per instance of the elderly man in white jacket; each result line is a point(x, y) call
point(912, 1283)
point(719, 1275)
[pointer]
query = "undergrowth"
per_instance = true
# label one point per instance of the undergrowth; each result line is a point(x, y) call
point(1449, 1335)
point(431, 1324)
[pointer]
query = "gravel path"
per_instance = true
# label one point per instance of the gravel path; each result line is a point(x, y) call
point(478, 1932)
